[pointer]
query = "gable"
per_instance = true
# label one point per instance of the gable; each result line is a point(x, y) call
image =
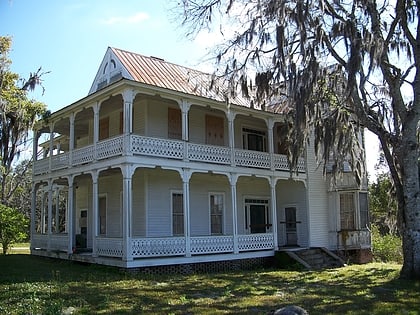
point(110, 71)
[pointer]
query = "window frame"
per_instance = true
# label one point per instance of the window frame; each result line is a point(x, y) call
point(248, 130)
point(181, 214)
point(222, 214)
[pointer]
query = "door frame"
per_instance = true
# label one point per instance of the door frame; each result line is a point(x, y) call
point(248, 202)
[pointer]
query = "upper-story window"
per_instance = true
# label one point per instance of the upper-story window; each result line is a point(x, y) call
point(174, 123)
point(255, 140)
point(215, 133)
point(104, 128)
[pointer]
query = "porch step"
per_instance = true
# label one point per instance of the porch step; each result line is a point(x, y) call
point(316, 258)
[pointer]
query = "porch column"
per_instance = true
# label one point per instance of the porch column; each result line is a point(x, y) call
point(273, 182)
point(96, 108)
point(35, 146)
point(231, 126)
point(43, 211)
point(186, 175)
point(71, 140)
point(270, 124)
point(51, 148)
point(70, 215)
point(33, 209)
point(185, 108)
point(57, 210)
point(233, 179)
point(128, 98)
point(127, 172)
point(49, 231)
point(94, 212)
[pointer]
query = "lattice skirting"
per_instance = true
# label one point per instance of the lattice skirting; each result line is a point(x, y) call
point(207, 267)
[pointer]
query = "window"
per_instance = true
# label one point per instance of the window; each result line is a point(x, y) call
point(177, 214)
point(104, 128)
point(102, 215)
point(347, 211)
point(364, 210)
point(254, 140)
point(216, 213)
point(174, 123)
point(215, 130)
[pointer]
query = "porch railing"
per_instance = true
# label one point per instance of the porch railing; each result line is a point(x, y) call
point(165, 148)
point(354, 239)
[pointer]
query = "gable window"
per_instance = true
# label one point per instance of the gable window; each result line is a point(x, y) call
point(255, 140)
point(347, 211)
point(177, 214)
point(216, 213)
point(174, 123)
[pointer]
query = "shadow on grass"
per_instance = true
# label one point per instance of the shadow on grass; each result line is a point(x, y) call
point(39, 284)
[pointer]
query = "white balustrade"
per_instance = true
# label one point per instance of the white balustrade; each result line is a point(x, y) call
point(109, 148)
point(41, 166)
point(158, 247)
point(209, 153)
point(39, 241)
point(59, 242)
point(249, 158)
point(166, 148)
point(59, 161)
point(354, 239)
point(211, 244)
point(83, 155)
point(110, 247)
point(253, 242)
point(157, 147)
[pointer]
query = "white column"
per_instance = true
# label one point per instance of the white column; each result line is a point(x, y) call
point(186, 175)
point(51, 148)
point(185, 108)
point(57, 212)
point(95, 212)
point(70, 215)
point(49, 231)
point(71, 140)
point(233, 179)
point(33, 209)
point(270, 125)
point(35, 146)
point(231, 126)
point(273, 182)
point(127, 172)
point(43, 211)
point(96, 109)
point(128, 98)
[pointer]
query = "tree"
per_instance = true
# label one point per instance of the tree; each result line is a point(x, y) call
point(382, 205)
point(340, 67)
point(13, 227)
point(18, 114)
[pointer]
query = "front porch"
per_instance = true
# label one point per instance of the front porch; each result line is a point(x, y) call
point(143, 252)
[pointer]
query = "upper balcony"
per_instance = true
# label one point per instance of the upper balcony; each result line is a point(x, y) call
point(128, 122)
point(136, 145)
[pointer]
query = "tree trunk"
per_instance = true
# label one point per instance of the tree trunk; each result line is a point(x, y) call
point(409, 201)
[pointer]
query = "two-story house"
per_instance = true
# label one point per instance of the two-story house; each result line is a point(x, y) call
point(153, 168)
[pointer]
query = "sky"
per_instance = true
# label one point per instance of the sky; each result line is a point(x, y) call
point(69, 38)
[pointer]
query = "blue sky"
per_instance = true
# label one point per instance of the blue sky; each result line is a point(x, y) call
point(69, 38)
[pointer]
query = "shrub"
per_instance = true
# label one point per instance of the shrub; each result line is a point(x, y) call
point(387, 247)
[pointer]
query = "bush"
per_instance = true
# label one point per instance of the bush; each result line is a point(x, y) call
point(386, 248)
point(13, 226)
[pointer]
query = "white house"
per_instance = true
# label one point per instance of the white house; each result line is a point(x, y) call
point(153, 168)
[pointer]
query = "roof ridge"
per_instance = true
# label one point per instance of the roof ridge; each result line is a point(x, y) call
point(161, 60)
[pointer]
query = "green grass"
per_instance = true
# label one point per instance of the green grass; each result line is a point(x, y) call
point(35, 285)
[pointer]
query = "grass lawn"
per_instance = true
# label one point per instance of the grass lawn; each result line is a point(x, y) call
point(35, 285)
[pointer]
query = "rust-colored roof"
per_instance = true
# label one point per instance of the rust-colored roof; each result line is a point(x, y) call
point(157, 72)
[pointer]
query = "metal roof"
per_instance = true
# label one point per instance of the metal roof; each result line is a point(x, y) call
point(157, 72)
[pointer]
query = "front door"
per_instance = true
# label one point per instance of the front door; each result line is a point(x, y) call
point(291, 226)
point(257, 218)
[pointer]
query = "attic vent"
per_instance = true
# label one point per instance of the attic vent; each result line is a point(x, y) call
point(157, 58)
